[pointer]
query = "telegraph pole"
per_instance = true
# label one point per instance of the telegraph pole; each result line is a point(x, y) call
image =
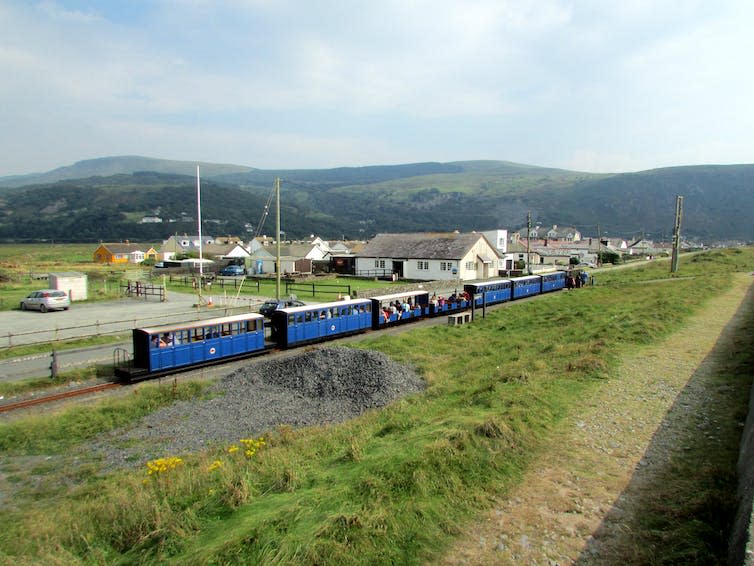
point(528, 237)
point(677, 233)
point(599, 246)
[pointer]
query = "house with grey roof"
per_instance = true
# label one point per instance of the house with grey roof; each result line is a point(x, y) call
point(429, 256)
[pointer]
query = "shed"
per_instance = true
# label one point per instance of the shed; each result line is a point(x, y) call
point(72, 282)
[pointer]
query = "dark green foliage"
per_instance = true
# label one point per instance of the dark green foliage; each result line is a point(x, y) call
point(358, 202)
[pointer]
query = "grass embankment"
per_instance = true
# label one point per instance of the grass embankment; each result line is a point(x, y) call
point(392, 486)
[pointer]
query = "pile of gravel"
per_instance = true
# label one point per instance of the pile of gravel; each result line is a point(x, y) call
point(320, 386)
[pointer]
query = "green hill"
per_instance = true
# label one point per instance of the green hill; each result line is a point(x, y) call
point(357, 202)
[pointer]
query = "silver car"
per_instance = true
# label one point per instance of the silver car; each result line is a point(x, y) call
point(46, 300)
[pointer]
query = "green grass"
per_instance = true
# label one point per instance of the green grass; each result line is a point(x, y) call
point(393, 486)
point(45, 435)
point(19, 261)
point(28, 350)
point(327, 288)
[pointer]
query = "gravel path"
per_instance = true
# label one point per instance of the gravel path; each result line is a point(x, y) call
point(577, 500)
point(314, 387)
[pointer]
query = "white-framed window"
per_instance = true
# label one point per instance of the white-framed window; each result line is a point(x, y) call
point(422, 265)
point(376, 263)
point(445, 266)
point(470, 265)
point(379, 263)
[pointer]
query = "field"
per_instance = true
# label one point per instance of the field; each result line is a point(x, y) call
point(19, 263)
point(396, 485)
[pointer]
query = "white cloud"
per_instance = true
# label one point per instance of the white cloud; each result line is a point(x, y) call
point(571, 83)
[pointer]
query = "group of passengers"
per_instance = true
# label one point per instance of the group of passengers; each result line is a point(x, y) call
point(397, 308)
point(576, 280)
point(441, 301)
point(162, 341)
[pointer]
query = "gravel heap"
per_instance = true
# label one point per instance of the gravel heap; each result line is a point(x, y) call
point(320, 386)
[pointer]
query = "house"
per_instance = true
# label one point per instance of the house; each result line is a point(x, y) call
point(499, 239)
point(562, 233)
point(262, 261)
point(121, 253)
point(649, 248)
point(517, 249)
point(429, 256)
point(225, 251)
point(177, 245)
point(261, 242)
point(554, 256)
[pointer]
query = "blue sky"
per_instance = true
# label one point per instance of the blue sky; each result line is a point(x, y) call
point(589, 85)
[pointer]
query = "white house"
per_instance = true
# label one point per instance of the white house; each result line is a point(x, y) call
point(429, 256)
point(225, 251)
point(499, 239)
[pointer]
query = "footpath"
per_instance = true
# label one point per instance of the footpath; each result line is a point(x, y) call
point(581, 500)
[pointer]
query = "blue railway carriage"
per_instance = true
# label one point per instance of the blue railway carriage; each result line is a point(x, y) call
point(294, 326)
point(553, 281)
point(413, 305)
point(494, 291)
point(527, 286)
point(160, 349)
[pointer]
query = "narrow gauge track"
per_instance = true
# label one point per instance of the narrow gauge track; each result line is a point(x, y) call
point(271, 351)
point(8, 407)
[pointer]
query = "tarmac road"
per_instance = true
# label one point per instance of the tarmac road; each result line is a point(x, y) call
point(27, 327)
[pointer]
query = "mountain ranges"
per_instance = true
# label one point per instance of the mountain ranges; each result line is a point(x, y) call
point(107, 198)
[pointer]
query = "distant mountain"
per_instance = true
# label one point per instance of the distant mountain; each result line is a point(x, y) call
point(110, 196)
point(106, 166)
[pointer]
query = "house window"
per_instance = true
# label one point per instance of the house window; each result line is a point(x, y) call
point(444, 266)
point(376, 263)
point(382, 264)
point(422, 265)
point(470, 265)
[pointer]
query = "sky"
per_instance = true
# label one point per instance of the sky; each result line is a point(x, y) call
point(587, 85)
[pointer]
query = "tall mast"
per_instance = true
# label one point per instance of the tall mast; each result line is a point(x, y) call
point(199, 221)
point(277, 237)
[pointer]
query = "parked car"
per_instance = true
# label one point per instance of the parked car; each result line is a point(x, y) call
point(46, 300)
point(271, 305)
point(232, 270)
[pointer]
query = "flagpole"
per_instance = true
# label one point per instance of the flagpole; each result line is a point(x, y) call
point(277, 237)
point(199, 222)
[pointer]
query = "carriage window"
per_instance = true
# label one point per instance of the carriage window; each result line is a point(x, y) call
point(368, 307)
point(308, 315)
point(299, 318)
point(197, 334)
point(291, 319)
point(335, 311)
point(225, 329)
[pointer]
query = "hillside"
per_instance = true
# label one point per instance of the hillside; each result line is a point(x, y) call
point(111, 195)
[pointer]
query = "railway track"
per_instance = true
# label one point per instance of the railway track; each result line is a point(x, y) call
point(81, 392)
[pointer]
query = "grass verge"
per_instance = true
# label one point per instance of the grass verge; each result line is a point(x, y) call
point(392, 486)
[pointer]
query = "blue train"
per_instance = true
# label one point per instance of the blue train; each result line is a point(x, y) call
point(161, 350)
